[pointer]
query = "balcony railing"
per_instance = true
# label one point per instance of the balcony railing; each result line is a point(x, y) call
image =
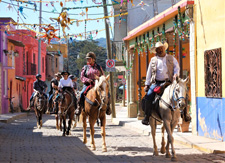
point(30, 69)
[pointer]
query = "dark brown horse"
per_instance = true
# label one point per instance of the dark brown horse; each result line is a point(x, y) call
point(67, 106)
point(95, 108)
point(40, 104)
point(54, 104)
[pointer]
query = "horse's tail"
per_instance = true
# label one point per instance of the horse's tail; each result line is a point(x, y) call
point(80, 120)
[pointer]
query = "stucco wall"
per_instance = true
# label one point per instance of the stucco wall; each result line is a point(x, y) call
point(210, 34)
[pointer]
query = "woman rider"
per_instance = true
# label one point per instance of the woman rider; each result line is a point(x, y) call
point(88, 74)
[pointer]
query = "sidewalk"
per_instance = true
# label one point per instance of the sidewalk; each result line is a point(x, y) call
point(186, 138)
point(7, 118)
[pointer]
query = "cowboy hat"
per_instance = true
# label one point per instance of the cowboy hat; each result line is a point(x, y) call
point(65, 72)
point(58, 74)
point(91, 55)
point(159, 44)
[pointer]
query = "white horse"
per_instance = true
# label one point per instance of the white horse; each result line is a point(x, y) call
point(172, 102)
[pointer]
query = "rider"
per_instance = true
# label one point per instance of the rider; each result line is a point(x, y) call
point(88, 74)
point(38, 86)
point(162, 67)
point(54, 87)
point(74, 80)
point(66, 84)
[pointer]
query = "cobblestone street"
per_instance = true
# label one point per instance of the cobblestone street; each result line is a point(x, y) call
point(21, 141)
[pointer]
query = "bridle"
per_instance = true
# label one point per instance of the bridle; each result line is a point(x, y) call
point(67, 108)
point(174, 100)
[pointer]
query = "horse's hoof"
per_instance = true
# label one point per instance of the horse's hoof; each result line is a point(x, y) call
point(163, 150)
point(41, 123)
point(39, 127)
point(155, 153)
point(93, 148)
point(168, 155)
point(63, 134)
point(68, 133)
point(104, 149)
point(174, 159)
point(57, 127)
point(84, 141)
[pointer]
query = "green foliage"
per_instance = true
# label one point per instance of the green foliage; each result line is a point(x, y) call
point(77, 55)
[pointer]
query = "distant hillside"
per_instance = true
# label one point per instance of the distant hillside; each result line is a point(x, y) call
point(101, 42)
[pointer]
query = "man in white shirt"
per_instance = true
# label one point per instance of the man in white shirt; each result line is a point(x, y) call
point(161, 68)
point(66, 84)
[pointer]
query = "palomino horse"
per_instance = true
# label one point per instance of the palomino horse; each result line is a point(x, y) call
point(67, 106)
point(95, 107)
point(172, 102)
point(39, 107)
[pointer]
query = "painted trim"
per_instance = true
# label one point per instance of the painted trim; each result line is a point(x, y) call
point(155, 21)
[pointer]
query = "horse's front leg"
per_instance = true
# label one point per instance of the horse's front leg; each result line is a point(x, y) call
point(152, 123)
point(70, 123)
point(64, 125)
point(84, 127)
point(40, 117)
point(92, 132)
point(163, 150)
point(37, 117)
point(57, 121)
point(173, 125)
point(169, 141)
point(103, 122)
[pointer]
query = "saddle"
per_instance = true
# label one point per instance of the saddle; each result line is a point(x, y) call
point(154, 111)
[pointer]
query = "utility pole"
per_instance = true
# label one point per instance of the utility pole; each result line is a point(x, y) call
point(155, 7)
point(39, 41)
point(68, 53)
point(109, 54)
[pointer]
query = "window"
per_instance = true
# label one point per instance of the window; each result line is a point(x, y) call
point(34, 58)
point(56, 62)
point(213, 80)
point(43, 66)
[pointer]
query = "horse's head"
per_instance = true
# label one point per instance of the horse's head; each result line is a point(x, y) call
point(180, 92)
point(102, 87)
point(40, 100)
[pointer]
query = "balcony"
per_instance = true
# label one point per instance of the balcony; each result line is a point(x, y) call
point(30, 69)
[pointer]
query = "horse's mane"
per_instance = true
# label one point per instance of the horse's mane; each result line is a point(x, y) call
point(99, 82)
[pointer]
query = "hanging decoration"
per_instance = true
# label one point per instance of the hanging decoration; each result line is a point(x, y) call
point(82, 13)
point(142, 4)
point(64, 21)
point(86, 13)
point(50, 33)
point(21, 11)
point(9, 7)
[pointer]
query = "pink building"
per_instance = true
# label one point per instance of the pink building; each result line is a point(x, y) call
point(26, 64)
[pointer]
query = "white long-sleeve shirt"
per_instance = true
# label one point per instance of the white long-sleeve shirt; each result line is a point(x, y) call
point(161, 69)
point(65, 83)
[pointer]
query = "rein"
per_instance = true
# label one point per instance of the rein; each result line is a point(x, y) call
point(174, 100)
point(66, 110)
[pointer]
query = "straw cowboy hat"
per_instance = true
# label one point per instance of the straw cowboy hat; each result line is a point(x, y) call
point(58, 74)
point(159, 44)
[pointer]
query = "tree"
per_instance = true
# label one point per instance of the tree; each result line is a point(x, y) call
point(77, 54)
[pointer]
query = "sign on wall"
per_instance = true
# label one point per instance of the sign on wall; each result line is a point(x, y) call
point(110, 65)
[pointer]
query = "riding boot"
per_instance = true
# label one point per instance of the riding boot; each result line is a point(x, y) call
point(80, 106)
point(146, 106)
point(108, 109)
point(187, 116)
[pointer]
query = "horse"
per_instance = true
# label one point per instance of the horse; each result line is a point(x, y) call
point(67, 106)
point(170, 104)
point(95, 108)
point(54, 104)
point(39, 107)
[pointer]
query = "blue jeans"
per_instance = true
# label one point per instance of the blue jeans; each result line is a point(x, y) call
point(50, 97)
point(32, 96)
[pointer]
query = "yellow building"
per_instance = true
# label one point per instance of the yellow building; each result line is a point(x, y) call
point(210, 86)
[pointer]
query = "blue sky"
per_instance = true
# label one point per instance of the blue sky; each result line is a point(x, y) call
point(32, 17)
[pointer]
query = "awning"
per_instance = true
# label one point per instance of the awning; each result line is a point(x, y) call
point(157, 20)
point(20, 78)
point(16, 43)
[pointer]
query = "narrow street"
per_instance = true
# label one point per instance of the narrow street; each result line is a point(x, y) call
point(21, 141)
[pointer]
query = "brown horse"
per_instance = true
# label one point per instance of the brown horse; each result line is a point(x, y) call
point(67, 106)
point(95, 107)
point(54, 104)
point(172, 102)
point(40, 104)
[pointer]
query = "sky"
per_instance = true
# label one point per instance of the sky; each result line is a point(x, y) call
point(31, 16)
